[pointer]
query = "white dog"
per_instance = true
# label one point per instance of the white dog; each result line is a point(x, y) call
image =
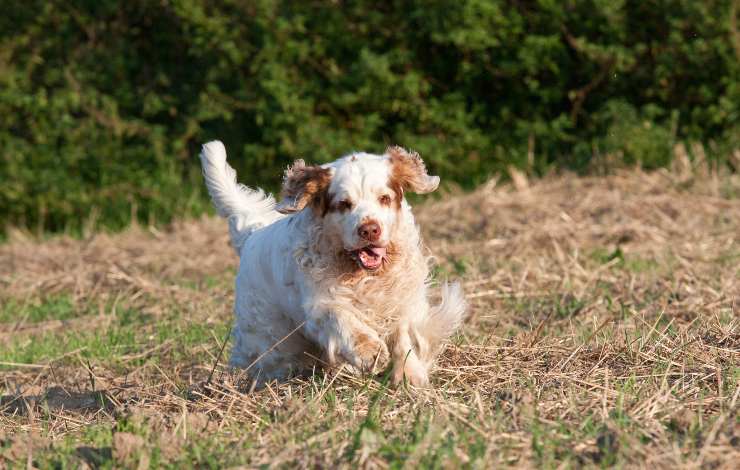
point(334, 272)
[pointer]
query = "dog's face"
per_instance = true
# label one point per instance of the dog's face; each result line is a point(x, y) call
point(362, 207)
point(358, 198)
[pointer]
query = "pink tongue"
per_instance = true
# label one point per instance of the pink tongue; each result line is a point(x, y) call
point(377, 251)
point(371, 257)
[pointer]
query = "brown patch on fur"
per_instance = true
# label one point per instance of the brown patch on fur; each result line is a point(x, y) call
point(326, 203)
point(360, 339)
point(408, 173)
point(341, 206)
point(368, 349)
point(305, 185)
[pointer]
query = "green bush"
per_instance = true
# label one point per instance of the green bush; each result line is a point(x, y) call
point(103, 104)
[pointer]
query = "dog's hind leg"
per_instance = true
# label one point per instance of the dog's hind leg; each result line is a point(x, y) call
point(268, 344)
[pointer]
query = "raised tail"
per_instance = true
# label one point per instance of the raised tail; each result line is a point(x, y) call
point(443, 320)
point(246, 209)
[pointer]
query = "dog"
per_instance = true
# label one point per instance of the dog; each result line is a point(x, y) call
point(336, 273)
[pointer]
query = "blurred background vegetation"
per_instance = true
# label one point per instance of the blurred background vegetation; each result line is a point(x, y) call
point(104, 103)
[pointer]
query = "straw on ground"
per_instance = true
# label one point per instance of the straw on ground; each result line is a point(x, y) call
point(603, 330)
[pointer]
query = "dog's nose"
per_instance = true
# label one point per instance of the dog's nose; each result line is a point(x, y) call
point(369, 231)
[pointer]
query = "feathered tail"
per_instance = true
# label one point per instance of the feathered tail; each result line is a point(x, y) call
point(246, 209)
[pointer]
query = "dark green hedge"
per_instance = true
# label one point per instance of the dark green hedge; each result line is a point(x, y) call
point(104, 103)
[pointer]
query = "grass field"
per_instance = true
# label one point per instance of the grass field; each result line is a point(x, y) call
point(604, 330)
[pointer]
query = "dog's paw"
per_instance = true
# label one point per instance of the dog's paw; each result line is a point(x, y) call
point(413, 375)
point(368, 353)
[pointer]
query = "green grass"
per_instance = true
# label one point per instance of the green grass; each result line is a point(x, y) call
point(632, 263)
point(60, 307)
point(113, 335)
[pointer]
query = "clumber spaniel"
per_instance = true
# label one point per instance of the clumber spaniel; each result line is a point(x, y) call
point(336, 271)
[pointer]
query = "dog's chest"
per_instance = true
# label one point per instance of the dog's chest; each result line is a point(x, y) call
point(380, 299)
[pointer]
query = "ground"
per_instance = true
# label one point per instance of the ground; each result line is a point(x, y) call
point(603, 330)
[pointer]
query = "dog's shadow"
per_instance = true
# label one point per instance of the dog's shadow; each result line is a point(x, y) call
point(56, 398)
point(237, 380)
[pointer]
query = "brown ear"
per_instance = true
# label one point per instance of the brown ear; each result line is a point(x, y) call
point(409, 172)
point(303, 185)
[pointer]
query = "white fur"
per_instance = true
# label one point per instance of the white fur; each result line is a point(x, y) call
point(299, 297)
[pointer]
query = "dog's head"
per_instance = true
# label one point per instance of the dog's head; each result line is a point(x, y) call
point(358, 198)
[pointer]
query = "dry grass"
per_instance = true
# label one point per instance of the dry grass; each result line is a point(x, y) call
point(603, 331)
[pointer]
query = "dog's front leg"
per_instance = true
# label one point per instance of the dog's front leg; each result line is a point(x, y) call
point(409, 348)
point(344, 338)
point(407, 365)
point(421, 331)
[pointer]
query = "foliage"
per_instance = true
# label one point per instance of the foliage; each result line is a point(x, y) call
point(103, 104)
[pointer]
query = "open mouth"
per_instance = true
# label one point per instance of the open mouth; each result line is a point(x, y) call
point(369, 257)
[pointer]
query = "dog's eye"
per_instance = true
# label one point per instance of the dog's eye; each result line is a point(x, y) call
point(385, 200)
point(344, 205)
